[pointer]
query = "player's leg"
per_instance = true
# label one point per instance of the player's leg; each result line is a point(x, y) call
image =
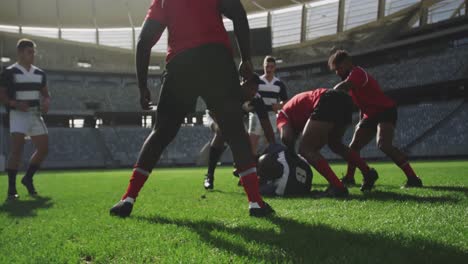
point(217, 148)
point(14, 159)
point(385, 135)
point(352, 157)
point(314, 137)
point(255, 132)
point(288, 137)
point(41, 143)
point(222, 94)
point(362, 136)
point(175, 101)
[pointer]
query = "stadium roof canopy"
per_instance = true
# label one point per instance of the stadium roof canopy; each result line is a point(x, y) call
point(101, 13)
point(116, 23)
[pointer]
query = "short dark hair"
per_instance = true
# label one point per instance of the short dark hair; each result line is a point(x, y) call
point(269, 59)
point(25, 43)
point(338, 57)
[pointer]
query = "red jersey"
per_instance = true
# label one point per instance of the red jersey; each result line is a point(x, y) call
point(299, 108)
point(190, 23)
point(366, 93)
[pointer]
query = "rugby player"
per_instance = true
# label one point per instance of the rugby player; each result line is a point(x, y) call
point(321, 116)
point(199, 62)
point(378, 115)
point(274, 94)
point(24, 92)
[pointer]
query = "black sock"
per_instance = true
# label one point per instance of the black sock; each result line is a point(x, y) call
point(215, 155)
point(31, 171)
point(12, 180)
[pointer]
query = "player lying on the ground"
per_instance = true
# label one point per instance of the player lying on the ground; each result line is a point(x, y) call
point(256, 106)
point(199, 63)
point(378, 115)
point(321, 117)
point(283, 173)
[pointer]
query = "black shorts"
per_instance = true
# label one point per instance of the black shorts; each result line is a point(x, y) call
point(334, 106)
point(389, 115)
point(208, 71)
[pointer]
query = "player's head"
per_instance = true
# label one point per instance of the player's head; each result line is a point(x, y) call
point(250, 87)
point(269, 65)
point(340, 62)
point(26, 49)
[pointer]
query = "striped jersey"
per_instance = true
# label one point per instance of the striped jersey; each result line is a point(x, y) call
point(24, 85)
point(272, 92)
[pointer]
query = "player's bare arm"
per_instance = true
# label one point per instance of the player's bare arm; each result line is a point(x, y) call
point(150, 34)
point(344, 86)
point(234, 10)
point(45, 99)
point(5, 100)
point(268, 130)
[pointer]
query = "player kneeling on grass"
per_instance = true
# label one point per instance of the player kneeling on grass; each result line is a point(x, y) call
point(254, 104)
point(283, 173)
point(321, 117)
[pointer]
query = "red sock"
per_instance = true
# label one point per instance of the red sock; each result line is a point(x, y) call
point(323, 168)
point(138, 179)
point(356, 161)
point(249, 180)
point(406, 167)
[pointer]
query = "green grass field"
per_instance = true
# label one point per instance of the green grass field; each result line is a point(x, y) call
point(176, 221)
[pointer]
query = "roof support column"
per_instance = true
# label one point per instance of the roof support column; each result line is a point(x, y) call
point(304, 23)
point(93, 2)
point(381, 9)
point(341, 12)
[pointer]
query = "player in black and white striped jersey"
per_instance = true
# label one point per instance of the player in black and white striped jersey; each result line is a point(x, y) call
point(274, 94)
point(24, 92)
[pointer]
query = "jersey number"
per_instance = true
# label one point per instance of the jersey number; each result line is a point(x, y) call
point(301, 175)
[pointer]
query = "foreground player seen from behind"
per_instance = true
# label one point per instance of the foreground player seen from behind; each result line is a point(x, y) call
point(378, 115)
point(321, 117)
point(199, 63)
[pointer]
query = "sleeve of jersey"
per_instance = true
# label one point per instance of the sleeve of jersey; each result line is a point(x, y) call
point(283, 94)
point(357, 77)
point(260, 108)
point(4, 79)
point(44, 80)
point(156, 11)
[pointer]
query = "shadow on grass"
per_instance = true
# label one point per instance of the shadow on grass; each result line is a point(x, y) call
point(448, 188)
point(298, 242)
point(379, 196)
point(25, 208)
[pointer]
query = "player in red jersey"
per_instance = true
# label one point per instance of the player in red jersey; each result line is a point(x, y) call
point(321, 117)
point(378, 115)
point(199, 63)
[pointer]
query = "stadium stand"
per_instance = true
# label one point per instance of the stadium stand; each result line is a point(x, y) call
point(398, 55)
point(449, 138)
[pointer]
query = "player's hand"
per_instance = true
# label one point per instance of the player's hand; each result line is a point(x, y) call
point(45, 105)
point(277, 107)
point(246, 70)
point(145, 99)
point(275, 148)
point(20, 105)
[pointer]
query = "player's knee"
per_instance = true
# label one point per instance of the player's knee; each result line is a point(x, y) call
point(384, 146)
point(337, 147)
point(304, 150)
point(354, 146)
point(43, 151)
